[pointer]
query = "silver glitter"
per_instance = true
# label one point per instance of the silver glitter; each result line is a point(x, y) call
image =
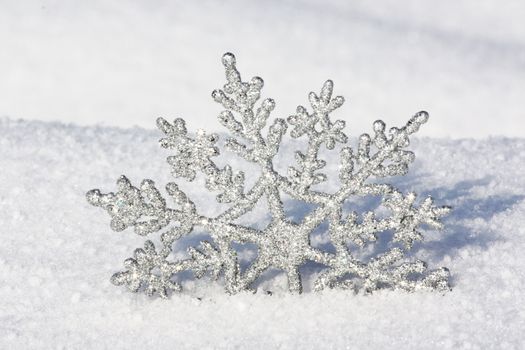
point(283, 244)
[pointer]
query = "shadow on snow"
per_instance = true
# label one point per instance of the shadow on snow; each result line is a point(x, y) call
point(457, 234)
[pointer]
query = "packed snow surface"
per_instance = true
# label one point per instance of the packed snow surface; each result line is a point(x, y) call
point(57, 255)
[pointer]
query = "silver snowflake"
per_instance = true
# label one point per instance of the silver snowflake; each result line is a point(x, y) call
point(283, 244)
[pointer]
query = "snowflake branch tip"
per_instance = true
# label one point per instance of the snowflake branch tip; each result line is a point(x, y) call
point(140, 273)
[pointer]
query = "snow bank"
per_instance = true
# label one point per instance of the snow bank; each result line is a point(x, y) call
point(57, 254)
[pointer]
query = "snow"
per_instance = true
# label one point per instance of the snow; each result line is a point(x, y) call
point(125, 63)
point(57, 255)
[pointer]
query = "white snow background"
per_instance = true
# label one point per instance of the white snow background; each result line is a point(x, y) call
point(68, 65)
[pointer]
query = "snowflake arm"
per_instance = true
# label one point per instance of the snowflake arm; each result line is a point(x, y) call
point(139, 271)
point(301, 178)
point(238, 97)
point(385, 269)
point(143, 208)
point(194, 154)
point(389, 148)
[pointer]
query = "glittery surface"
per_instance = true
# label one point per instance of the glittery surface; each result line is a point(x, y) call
point(283, 244)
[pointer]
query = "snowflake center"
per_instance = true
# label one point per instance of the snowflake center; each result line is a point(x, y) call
point(285, 244)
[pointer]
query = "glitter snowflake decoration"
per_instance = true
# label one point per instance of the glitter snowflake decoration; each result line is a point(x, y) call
point(283, 244)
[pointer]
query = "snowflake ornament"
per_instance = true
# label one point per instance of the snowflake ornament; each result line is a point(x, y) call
point(283, 244)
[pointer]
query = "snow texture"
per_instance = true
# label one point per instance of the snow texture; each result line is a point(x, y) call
point(56, 255)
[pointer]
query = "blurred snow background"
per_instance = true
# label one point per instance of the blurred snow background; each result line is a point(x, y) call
point(124, 63)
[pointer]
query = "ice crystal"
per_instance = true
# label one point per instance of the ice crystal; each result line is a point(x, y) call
point(283, 244)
